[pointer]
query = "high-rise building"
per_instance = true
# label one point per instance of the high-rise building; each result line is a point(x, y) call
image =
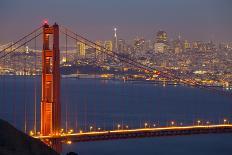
point(115, 40)
point(81, 48)
point(187, 45)
point(160, 47)
point(108, 45)
point(121, 45)
point(178, 45)
point(162, 37)
point(161, 42)
point(139, 44)
point(99, 50)
point(99, 47)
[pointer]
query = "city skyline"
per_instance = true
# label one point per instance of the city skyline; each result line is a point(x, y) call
point(211, 21)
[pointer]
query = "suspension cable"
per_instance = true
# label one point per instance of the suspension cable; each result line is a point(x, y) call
point(21, 39)
point(23, 44)
point(35, 87)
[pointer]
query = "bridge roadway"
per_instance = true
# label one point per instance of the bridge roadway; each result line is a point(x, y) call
point(139, 133)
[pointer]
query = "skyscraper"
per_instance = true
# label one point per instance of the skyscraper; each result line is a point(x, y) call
point(115, 40)
point(109, 45)
point(81, 48)
point(161, 42)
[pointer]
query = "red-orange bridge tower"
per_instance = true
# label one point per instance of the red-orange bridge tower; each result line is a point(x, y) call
point(50, 98)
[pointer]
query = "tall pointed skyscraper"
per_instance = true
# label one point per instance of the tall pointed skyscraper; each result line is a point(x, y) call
point(115, 42)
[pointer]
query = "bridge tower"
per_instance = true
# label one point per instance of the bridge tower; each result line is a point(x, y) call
point(50, 98)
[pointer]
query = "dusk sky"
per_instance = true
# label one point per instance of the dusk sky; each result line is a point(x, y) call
point(95, 19)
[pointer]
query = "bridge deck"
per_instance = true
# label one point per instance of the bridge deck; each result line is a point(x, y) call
point(140, 133)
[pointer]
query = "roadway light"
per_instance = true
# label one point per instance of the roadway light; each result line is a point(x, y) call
point(90, 128)
point(207, 122)
point(70, 131)
point(198, 122)
point(145, 125)
point(31, 133)
point(61, 130)
point(69, 142)
point(225, 121)
point(172, 123)
point(119, 126)
point(154, 125)
point(127, 126)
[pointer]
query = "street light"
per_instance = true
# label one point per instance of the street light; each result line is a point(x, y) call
point(119, 126)
point(145, 125)
point(225, 120)
point(90, 128)
point(198, 122)
point(69, 142)
point(172, 123)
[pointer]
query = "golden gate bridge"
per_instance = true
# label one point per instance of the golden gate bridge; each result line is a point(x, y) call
point(51, 130)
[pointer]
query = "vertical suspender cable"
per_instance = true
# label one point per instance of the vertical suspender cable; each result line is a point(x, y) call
point(66, 48)
point(14, 91)
point(4, 87)
point(24, 89)
point(35, 87)
point(66, 104)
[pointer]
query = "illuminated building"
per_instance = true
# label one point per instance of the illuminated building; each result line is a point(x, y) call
point(160, 47)
point(161, 42)
point(121, 45)
point(98, 47)
point(109, 45)
point(115, 40)
point(186, 45)
point(178, 45)
point(81, 48)
point(139, 44)
point(162, 37)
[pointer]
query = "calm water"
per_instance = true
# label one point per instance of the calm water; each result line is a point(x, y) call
point(107, 103)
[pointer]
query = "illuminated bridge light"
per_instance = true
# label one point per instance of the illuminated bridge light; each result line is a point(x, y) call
point(32, 133)
point(90, 128)
point(69, 142)
point(198, 122)
point(145, 125)
point(172, 123)
point(119, 126)
point(225, 120)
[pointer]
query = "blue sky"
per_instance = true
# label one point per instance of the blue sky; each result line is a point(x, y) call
point(95, 19)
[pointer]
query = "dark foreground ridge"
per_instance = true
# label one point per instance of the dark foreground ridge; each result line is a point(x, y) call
point(14, 142)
